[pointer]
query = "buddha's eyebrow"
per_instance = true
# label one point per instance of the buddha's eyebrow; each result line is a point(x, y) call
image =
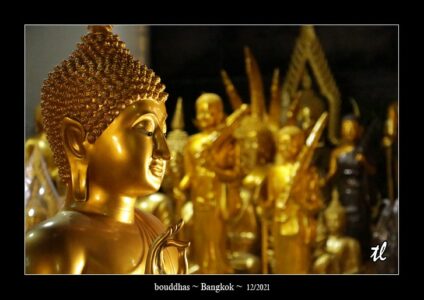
point(144, 114)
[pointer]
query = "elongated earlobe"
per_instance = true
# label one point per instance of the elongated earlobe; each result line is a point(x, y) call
point(73, 135)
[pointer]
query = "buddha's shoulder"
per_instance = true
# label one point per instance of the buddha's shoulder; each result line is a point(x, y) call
point(53, 241)
point(56, 228)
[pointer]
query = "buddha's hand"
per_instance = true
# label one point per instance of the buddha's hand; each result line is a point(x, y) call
point(155, 261)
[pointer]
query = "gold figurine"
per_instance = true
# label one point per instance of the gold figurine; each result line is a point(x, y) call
point(294, 197)
point(43, 189)
point(104, 115)
point(205, 189)
point(341, 254)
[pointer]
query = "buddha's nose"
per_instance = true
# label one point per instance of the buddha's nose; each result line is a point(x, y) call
point(161, 147)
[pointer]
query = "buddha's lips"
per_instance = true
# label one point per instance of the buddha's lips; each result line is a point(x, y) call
point(156, 167)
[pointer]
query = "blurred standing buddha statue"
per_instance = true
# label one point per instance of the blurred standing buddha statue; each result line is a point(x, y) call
point(43, 188)
point(349, 169)
point(294, 197)
point(104, 115)
point(205, 189)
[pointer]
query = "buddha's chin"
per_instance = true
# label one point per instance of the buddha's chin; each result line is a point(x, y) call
point(155, 180)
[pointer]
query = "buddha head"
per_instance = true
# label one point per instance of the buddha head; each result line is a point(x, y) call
point(104, 116)
point(334, 215)
point(290, 141)
point(209, 111)
point(351, 130)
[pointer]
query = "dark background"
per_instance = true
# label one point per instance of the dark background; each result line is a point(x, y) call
point(363, 61)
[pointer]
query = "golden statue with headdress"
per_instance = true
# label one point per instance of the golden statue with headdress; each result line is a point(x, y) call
point(104, 116)
point(341, 254)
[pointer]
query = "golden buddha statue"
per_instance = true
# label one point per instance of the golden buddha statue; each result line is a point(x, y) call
point(341, 254)
point(294, 198)
point(43, 189)
point(205, 191)
point(104, 115)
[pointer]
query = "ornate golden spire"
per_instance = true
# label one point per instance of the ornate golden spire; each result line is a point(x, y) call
point(308, 33)
point(178, 118)
point(308, 50)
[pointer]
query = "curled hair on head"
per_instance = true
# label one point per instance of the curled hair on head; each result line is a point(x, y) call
point(98, 81)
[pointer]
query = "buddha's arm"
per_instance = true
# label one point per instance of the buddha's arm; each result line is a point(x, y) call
point(47, 252)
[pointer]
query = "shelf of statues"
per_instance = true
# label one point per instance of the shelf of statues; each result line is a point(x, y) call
point(250, 188)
